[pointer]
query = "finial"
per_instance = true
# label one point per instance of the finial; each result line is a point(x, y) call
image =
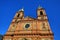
point(39, 7)
point(21, 9)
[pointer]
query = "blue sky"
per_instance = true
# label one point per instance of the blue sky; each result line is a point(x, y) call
point(8, 8)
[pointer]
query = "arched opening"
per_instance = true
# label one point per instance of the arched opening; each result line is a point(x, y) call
point(18, 15)
point(41, 13)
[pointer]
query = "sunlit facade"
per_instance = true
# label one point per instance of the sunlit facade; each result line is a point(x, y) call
point(29, 28)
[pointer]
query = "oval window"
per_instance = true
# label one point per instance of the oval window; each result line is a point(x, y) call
point(27, 25)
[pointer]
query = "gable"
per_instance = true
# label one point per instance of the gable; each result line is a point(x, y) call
point(28, 18)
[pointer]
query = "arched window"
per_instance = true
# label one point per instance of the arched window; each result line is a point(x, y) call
point(41, 13)
point(18, 15)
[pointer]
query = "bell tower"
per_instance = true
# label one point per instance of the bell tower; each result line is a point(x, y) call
point(41, 13)
point(19, 15)
point(43, 25)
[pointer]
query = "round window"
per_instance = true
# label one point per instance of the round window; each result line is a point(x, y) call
point(27, 25)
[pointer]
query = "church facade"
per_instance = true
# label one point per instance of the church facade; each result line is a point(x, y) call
point(28, 28)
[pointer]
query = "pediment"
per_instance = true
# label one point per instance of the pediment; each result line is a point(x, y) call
point(29, 18)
